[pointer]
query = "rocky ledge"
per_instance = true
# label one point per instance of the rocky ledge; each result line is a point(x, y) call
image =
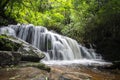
point(14, 51)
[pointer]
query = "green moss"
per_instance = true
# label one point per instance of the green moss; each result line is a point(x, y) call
point(7, 45)
point(37, 65)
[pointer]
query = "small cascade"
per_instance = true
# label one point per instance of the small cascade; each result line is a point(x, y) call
point(8, 31)
point(57, 47)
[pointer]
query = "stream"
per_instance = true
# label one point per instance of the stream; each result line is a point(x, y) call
point(60, 72)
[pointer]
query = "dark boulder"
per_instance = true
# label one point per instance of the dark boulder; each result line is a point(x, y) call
point(9, 58)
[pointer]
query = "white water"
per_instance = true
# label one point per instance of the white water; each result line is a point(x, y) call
point(59, 49)
point(85, 62)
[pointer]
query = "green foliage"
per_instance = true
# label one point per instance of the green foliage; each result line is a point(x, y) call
point(82, 12)
point(38, 12)
point(105, 23)
point(103, 30)
point(74, 18)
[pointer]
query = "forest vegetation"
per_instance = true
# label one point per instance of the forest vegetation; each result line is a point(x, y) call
point(87, 21)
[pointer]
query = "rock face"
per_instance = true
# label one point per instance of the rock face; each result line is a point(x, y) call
point(9, 58)
point(13, 50)
point(29, 53)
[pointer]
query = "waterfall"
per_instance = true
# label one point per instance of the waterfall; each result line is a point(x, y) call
point(56, 46)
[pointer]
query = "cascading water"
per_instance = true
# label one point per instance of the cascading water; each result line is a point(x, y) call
point(57, 47)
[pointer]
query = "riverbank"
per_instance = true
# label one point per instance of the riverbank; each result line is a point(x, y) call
point(59, 73)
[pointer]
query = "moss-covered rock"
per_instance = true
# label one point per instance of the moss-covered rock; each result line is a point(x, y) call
point(37, 65)
point(13, 50)
point(7, 45)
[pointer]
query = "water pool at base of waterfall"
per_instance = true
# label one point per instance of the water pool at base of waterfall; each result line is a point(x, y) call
point(85, 62)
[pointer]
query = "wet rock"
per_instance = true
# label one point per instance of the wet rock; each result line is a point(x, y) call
point(64, 78)
point(31, 54)
point(9, 58)
point(28, 52)
point(23, 73)
point(68, 73)
point(75, 76)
